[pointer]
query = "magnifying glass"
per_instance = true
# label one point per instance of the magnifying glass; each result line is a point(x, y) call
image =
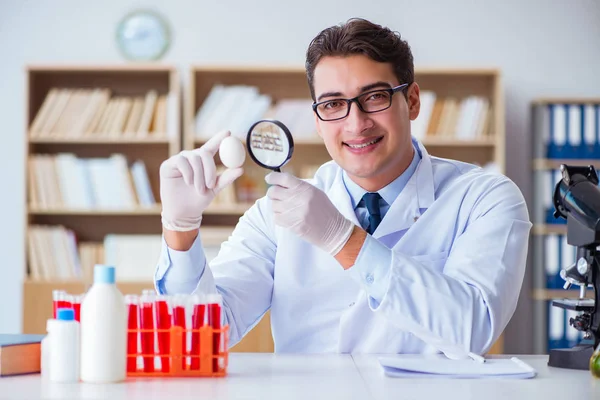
point(270, 144)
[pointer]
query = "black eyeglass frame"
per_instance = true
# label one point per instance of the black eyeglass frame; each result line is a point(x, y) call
point(349, 102)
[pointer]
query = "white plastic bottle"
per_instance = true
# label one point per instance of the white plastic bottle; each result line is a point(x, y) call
point(64, 348)
point(46, 347)
point(103, 330)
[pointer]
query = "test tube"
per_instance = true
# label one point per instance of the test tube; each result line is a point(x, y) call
point(59, 300)
point(76, 301)
point(163, 323)
point(214, 302)
point(133, 315)
point(147, 324)
point(198, 321)
point(179, 306)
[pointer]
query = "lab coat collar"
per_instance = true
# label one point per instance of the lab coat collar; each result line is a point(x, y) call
point(340, 197)
point(424, 178)
point(417, 195)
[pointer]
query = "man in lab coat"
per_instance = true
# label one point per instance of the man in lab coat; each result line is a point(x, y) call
point(385, 250)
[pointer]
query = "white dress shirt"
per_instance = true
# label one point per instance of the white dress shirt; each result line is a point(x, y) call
point(442, 271)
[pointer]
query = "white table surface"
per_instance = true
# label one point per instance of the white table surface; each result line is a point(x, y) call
point(284, 376)
point(550, 383)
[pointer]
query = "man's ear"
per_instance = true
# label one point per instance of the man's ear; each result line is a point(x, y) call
point(414, 101)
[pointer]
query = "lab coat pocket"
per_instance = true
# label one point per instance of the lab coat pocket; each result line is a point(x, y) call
point(435, 261)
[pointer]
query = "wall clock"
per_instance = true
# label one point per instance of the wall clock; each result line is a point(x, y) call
point(143, 35)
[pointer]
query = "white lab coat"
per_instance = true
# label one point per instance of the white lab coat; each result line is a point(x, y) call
point(442, 272)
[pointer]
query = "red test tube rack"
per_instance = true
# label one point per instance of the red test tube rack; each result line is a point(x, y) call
point(186, 335)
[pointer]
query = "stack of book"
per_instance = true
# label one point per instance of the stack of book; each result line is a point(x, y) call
point(73, 113)
point(65, 181)
point(55, 254)
point(463, 119)
point(237, 107)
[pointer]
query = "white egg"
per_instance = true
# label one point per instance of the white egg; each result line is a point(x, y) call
point(232, 152)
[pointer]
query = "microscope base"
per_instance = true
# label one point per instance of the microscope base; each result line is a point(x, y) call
point(577, 357)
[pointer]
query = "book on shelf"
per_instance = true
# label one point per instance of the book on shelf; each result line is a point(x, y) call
point(448, 117)
point(66, 181)
point(55, 254)
point(90, 254)
point(52, 253)
point(97, 113)
point(237, 107)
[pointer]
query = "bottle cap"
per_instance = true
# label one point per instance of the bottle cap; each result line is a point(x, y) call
point(65, 314)
point(104, 274)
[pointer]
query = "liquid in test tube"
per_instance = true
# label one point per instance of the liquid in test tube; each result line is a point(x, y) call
point(179, 306)
point(214, 315)
point(163, 323)
point(147, 324)
point(198, 321)
point(133, 315)
point(76, 301)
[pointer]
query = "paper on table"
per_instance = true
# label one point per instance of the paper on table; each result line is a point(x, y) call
point(439, 366)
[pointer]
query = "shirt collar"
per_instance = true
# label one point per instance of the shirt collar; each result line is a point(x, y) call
point(389, 192)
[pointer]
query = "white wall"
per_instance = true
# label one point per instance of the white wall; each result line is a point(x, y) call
point(544, 47)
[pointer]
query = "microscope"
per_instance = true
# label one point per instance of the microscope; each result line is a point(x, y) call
point(577, 199)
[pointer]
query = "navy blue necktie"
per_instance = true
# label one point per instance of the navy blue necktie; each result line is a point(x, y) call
point(372, 202)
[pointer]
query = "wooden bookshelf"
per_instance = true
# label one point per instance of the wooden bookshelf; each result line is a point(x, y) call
point(549, 229)
point(151, 145)
point(429, 142)
point(110, 142)
point(93, 224)
point(566, 100)
point(96, 212)
point(543, 164)
point(286, 82)
point(553, 294)
point(451, 142)
point(37, 299)
point(460, 83)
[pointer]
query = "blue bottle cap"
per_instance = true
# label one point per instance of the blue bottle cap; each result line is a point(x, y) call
point(65, 314)
point(104, 274)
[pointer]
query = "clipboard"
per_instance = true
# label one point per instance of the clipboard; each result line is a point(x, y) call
point(440, 366)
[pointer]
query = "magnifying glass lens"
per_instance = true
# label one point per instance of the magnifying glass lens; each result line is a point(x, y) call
point(270, 144)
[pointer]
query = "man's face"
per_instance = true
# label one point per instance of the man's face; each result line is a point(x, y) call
point(373, 148)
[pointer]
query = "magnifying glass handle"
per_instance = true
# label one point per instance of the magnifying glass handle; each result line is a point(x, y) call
point(277, 170)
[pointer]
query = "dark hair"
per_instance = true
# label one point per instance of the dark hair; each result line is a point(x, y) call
point(359, 36)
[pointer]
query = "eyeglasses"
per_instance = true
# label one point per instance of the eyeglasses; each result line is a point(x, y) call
point(369, 102)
